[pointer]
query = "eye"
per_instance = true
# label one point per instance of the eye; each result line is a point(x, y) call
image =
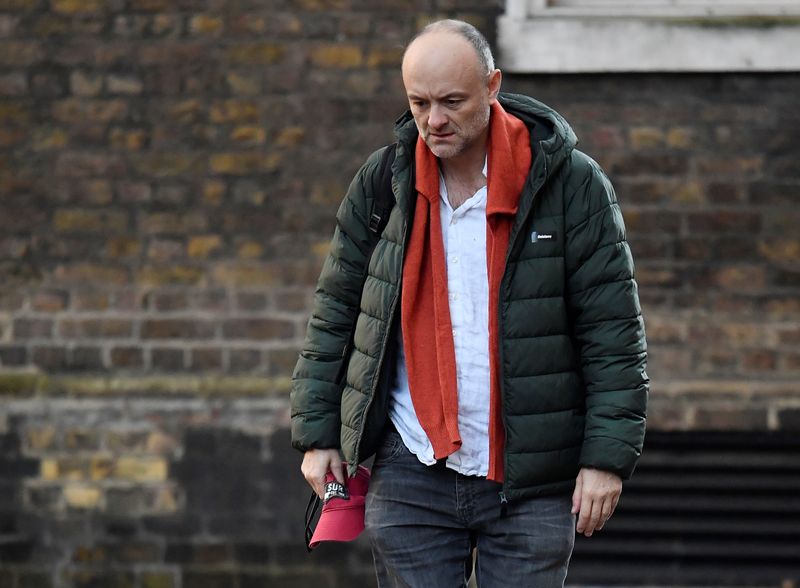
point(453, 101)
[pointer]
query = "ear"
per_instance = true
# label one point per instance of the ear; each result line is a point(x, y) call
point(495, 78)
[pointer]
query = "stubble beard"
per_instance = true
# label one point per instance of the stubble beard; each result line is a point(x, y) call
point(466, 136)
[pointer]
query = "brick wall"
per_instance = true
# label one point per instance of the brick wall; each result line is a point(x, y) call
point(168, 175)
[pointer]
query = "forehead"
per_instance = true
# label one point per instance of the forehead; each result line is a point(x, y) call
point(441, 62)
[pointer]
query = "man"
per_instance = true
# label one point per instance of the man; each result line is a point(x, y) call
point(497, 365)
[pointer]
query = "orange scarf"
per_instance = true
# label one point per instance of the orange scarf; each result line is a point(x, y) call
point(425, 313)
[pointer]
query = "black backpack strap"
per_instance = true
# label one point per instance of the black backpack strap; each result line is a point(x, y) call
point(384, 198)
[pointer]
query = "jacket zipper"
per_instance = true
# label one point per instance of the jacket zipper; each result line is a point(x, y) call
point(503, 498)
point(373, 388)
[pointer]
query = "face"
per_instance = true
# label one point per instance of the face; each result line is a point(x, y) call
point(449, 93)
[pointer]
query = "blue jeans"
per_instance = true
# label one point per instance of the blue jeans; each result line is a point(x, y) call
point(422, 522)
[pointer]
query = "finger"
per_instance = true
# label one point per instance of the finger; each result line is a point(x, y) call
point(314, 469)
point(576, 495)
point(584, 518)
point(606, 510)
point(317, 484)
point(337, 469)
point(614, 504)
point(594, 517)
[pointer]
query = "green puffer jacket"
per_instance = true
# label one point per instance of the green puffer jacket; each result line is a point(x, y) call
point(573, 352)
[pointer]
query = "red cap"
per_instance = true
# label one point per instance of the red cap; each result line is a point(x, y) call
point(342, 517)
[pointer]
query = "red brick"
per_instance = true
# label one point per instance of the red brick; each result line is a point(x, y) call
point(729, 166)
point(255, 54)
point(158, 165)
point(50, 357)
point(712, 361)
point(123, 247)
point(98, 110)
point(665, 330)
point(721, 193)
point(76, 165)
point(759, 361)
point(168, 300)
point(668, 360)
point(90, 299)
point(134, 192)
point(13, 355)
point(205, 359)
point(789, 335)
point(174, 222)
point(294, 301)
point(177, 329)
point(648, 165)
point(251, 301)
point(780, 250)
point(50, 300)
point(17, 53)
point(790, 362)
point(127, 357)
point(86, 358)
point(649, 221)
point(169, 275)
point(167, 359)
point(740, 277)
point(724, 221)
point(171, 52)
point(83, 220)
point(105, 328)
point(257, 328)
point(667, 417)
point(33, 328)
point(83, 273)
point(774, 193)
point(164, 249)
point(242, 360)
point(211, 299)
point(730, 418)
point(689, 248)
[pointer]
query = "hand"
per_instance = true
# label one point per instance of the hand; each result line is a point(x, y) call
point(316, 463)
point(595, 498)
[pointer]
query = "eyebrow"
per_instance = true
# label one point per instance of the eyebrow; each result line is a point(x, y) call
point(447, 96)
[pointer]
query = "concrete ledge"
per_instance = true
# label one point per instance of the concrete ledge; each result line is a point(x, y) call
point(585, 44)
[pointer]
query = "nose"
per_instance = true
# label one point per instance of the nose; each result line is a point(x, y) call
point(437, 118)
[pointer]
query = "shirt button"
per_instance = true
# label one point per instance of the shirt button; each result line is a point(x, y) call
point(454, 333)
point(455, 260)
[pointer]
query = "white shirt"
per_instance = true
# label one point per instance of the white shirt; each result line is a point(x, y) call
point(464, 240)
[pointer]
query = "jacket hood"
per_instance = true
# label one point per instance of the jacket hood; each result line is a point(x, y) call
point(552, 138)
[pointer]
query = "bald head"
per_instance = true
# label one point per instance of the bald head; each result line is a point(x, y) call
point(467, 32)
point(441, 55)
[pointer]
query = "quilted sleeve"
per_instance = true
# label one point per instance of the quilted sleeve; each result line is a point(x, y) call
point(606, 321)
point(316, 394)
